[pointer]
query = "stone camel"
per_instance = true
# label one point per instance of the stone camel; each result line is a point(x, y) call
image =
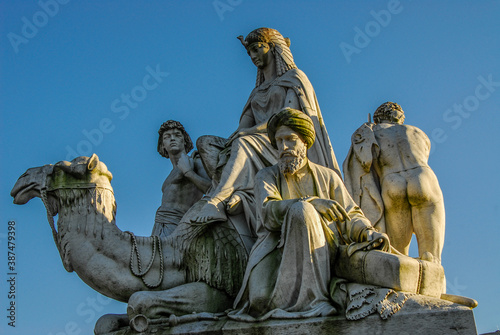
point(116, 263)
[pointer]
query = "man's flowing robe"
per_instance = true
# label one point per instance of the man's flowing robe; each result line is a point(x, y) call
point(306, 240)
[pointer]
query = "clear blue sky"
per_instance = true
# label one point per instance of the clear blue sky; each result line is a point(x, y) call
point(65, 72)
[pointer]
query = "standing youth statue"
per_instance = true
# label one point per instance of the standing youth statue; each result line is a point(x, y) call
point(233, 163)
point(387, 174)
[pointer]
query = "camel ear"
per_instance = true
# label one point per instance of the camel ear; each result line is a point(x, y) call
point(93, 161)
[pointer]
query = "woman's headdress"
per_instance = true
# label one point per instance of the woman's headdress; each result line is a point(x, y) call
point(281, 46)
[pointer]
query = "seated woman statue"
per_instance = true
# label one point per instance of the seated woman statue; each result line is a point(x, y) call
point(233, 163)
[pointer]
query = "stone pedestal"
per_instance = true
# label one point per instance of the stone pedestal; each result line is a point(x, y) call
point(420, 315)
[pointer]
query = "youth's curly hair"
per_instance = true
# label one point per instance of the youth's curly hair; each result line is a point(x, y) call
point(171, 124)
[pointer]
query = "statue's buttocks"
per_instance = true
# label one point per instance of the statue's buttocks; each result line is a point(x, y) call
point(402, 147)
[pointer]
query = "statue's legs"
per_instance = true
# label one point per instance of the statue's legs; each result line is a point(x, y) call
point(414, 204)
point(150, 306)
point(295, 276)
point(181, 300)
point(248, 155)
point(428, 213)
point(398, 215)
point(262, 281)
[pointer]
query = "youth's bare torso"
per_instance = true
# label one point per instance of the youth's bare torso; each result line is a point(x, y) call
point(179, 192)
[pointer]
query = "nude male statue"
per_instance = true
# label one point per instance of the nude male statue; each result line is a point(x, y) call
point(387, 173)
point(186, 183)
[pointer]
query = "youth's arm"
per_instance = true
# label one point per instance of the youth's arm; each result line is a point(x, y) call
point(193, 170)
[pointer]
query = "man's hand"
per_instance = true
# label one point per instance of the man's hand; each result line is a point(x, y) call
point(330, 209)
point(381, 240)
point(185, 164)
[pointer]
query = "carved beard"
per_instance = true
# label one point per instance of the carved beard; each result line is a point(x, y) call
point(291, 164)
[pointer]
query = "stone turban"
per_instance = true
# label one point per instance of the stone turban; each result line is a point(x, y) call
point(295, 120)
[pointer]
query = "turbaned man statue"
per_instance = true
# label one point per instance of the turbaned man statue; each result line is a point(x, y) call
point(304, 213)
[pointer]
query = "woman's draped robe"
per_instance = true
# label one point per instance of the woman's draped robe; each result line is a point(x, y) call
point(248, 154)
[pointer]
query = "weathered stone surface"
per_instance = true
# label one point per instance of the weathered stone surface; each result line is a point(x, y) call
point(192, 267)
point(91, 244)
point(398, 272)
point(420, 315)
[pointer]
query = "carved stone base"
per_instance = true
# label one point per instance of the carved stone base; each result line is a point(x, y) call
point(420, 315)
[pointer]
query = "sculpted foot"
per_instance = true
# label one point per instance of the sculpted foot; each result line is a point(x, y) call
point(211, 212)
point(234, 205)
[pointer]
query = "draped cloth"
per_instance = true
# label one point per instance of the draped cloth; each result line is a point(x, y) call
point(166, 220)
point(268, 99)
point(302, 243)
point(360, 177)
point(361, 300)
point(238, 164)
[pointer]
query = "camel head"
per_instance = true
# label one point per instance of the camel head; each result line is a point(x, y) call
point(81, 172)
point(79, 192)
